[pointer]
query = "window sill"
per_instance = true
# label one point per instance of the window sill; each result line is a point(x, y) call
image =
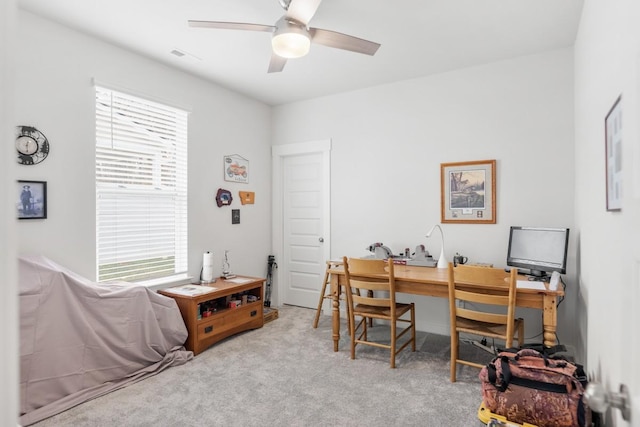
point(166, 282)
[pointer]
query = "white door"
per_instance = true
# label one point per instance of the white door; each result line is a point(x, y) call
point(301, 221)
point(630, 338)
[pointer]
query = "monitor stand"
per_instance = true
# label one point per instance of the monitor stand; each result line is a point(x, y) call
point(538, 276)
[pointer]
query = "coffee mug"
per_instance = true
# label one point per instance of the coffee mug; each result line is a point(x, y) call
point(459, 259)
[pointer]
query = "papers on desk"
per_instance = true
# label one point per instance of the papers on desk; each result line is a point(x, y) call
point(191, 290)
point(531, 284)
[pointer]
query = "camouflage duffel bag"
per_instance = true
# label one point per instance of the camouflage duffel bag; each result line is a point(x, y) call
point(527, 386)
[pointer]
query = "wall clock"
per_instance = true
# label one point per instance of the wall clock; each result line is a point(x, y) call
point(32, 145)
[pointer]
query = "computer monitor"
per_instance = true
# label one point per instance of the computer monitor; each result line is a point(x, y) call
point(541, 250)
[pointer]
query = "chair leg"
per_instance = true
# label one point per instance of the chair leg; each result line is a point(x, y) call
point(413, 327)
point(521, 334)
point(354, 325)
point(393, 343)
point(347, 308)
point(366, 323)
point(322, 298)
point(454, 354)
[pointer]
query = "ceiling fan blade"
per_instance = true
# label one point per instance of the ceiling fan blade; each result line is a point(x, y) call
point(343, 41)
point(232, 26)
point(302, 10)
point(277, 63)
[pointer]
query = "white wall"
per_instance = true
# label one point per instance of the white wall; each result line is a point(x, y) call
point(388, 143)
point(56, 67)
point(607, 64)
point(9, 367)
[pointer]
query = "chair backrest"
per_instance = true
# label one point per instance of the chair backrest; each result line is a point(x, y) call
point(375, 275)
point(493, 278)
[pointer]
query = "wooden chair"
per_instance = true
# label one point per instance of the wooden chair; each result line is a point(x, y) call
point(469, 311)
point(371, 294)
point(323, 293)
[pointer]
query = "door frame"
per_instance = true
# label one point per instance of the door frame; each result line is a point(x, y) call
point(278, 153)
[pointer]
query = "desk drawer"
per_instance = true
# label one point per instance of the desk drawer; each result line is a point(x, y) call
point(210, 328)
point(243, 314)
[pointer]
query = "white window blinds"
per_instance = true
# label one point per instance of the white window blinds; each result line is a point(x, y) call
point(141, 188)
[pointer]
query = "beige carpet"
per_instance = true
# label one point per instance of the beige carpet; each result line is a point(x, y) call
point(287, 374)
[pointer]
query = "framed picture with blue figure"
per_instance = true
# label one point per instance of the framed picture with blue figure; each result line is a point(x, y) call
point(31, 199)
point(468, 192)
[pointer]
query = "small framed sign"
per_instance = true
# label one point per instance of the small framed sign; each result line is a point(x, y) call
point(235, 216)
point(613, 155)
point(223, 197)
point(236, 169)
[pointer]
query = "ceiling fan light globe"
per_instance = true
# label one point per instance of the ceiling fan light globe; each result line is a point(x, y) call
point(291, 45)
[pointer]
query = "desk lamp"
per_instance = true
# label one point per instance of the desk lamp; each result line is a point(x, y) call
point(442, 262)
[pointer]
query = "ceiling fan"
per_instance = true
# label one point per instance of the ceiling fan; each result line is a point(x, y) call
point(292, 36)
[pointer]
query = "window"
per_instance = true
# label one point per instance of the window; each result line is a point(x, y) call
point(141, 188)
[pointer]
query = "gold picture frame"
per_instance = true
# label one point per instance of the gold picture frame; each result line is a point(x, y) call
point(468, 192)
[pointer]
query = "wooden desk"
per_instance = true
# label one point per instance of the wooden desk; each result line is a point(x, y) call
point(433, 282)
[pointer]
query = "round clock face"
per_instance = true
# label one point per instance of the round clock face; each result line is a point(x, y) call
point(26, 145)
point(31, 144)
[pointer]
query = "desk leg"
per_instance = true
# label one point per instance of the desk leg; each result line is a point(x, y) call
point(335, 310)
point(549, 320)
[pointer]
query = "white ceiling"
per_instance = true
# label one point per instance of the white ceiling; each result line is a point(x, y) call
point(418, 38)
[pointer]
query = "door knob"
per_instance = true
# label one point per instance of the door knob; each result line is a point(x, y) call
point(321, 239)
point(599, 399)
